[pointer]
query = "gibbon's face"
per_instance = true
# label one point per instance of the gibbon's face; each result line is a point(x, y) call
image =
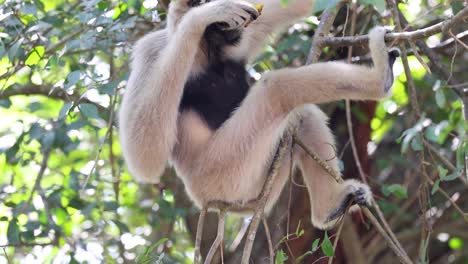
point(193, 3)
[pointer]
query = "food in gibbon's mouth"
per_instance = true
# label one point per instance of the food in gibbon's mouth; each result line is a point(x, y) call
point(189, 102)
point(259, 8)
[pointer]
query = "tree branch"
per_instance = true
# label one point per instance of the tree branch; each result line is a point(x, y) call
point(33, 89)
point(326, 22)
point(461, 17)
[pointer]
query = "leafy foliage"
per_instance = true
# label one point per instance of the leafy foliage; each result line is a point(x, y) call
point(65, 195)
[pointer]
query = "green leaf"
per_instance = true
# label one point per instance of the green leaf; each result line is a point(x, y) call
point(397, 190)
point(462, 151)
point(29, 9)
point(327, 246)
point(155, 245)
point(6, 103)
point(455, 174)
point(457, 6)
point(72, 79)
point(111, 206)
point(456, 243)
point(440, 98)
point(48, 139)
point(416, 143)
point(442, 172)
point(65, 109)
point(435, 187)
point(89, 110)
point(13, 233)
point(321, 5)
point(35, 55)
point(15, 51)
point(315, 244)
point(281, 257)
point(108, 88)
point(378, 4)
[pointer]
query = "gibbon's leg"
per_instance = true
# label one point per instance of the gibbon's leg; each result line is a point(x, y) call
point(274, 17)
point(149, 111)
point(328, 199)
point(237, 152)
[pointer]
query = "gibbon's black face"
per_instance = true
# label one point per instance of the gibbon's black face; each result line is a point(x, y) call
point(193, 3)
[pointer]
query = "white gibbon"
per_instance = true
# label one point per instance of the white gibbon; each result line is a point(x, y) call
point(188, 102)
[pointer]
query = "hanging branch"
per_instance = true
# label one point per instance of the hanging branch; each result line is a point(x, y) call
point(199, 234)
point(326, 22)
point(219, 237)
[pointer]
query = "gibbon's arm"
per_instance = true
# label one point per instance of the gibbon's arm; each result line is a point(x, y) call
point(161, 64)
point(331, 81)
point(279, 92)
point(148, 116)
point(274, 17)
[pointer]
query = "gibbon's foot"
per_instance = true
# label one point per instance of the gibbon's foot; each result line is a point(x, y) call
point(358, 193)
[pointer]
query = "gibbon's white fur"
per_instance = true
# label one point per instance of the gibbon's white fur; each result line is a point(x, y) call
point(229, 163)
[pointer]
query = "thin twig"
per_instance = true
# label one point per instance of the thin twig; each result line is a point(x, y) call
point(219, 237)
point(457, 40)
point(402, 256)
point(40, 174)
point(270, 244)
point(199, 234)
point(445, 194)
point(110, 123)
point(259, 210)
point(317, 159)
point(6, 255)
point(337, 238)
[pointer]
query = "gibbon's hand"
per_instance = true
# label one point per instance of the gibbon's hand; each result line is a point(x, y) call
point(229, 14)
point(377, 45)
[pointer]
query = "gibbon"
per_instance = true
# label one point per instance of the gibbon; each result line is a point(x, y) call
point(188, 102)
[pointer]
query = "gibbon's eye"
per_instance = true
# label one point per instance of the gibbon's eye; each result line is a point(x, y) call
point(194, 3)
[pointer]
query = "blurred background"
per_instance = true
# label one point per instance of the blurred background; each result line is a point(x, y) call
point(67, 197)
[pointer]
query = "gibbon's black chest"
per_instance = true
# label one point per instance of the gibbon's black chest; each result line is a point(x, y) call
point(220, 89)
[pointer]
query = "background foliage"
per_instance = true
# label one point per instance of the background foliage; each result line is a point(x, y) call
point(66, 197)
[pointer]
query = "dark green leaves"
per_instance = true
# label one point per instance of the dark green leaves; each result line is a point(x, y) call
point(315, 244)
point(321, 5)
point(72, 79)
point(397, 190)
point(89, 110)
point(327, 246)
point(378, 4)
point(281, 257)
point(13, 233)
point(35, 55)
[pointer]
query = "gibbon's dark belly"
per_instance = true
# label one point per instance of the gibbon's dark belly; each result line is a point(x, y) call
point(217, 92)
